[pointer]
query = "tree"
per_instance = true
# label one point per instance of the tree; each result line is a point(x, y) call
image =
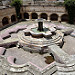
point(70, 7)
point(34, 1)
point(17, 4)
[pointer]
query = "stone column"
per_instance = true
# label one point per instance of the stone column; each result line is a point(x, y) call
point(48, 19)
point(38, 16)
point(22, 16)
point(29, 17)
point(1, 24)
point(59, 19)
point(9, 20)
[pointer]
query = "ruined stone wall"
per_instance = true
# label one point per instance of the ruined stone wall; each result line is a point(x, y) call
point(7, 12)
point(44, 9)
point(39, 9)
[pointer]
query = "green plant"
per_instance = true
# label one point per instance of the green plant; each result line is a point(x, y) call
point(70, 7)
point(59, 4)
point(17, 4)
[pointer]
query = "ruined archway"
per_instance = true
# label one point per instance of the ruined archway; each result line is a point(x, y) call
point(64, 18)
point(5, 21)
point(13, 18)
point(26, 16)
point(34, 16)
point(44, 16)
point(54, 17)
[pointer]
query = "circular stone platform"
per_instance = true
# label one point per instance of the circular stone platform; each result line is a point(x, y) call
point(33, 40)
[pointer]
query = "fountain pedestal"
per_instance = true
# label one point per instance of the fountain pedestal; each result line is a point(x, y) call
point(40, 26)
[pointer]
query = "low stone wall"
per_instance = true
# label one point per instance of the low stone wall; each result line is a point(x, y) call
point(24, 69)
point(29, 68)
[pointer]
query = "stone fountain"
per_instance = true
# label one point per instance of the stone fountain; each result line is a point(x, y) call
point(38, 37)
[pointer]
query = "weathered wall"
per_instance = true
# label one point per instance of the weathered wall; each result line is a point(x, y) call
point(44, 9)
point(8, 12)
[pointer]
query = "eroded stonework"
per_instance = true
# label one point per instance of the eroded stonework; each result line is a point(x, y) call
point(34, 63)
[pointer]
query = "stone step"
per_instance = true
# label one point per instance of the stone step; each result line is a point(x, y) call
point(58, 39)
point(65, 73)
point(66, 69)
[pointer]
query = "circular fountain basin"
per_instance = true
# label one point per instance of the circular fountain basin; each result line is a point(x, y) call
point(36, 33)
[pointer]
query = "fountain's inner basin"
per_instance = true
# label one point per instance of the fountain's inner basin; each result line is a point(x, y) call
point(37, 31)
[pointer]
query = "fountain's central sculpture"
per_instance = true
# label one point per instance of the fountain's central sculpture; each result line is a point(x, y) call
point(40, 24)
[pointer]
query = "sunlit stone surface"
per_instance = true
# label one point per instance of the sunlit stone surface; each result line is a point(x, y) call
point(27, 51)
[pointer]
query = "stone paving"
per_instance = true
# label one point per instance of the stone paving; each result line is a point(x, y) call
point(69, 45)
point(39, 59)
point(24, 56)
point(69, 41)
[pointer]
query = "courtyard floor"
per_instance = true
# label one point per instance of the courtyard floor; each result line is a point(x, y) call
point(36, 58)
point(25, 56)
